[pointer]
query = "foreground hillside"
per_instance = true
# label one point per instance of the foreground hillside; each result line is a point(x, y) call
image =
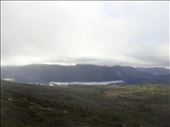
point(84, 106)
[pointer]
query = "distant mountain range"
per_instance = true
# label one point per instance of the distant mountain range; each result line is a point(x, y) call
point(42, 73)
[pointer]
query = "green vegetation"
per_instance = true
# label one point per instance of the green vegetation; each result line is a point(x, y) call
point(85, 106)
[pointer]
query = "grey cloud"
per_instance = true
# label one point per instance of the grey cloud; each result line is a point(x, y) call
point(104, 33)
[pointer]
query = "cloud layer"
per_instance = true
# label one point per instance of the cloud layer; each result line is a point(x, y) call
point(103, 33)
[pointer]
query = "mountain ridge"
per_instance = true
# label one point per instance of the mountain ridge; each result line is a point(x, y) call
point(85, 73)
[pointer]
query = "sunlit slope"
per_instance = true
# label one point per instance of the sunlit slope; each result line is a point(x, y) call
point(85, 106)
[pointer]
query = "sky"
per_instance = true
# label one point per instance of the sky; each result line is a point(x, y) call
point(107, 33)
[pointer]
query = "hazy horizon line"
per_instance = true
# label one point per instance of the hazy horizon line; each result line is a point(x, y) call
point(76, 64)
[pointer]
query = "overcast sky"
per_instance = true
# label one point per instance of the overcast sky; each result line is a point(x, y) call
point(103, 33)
